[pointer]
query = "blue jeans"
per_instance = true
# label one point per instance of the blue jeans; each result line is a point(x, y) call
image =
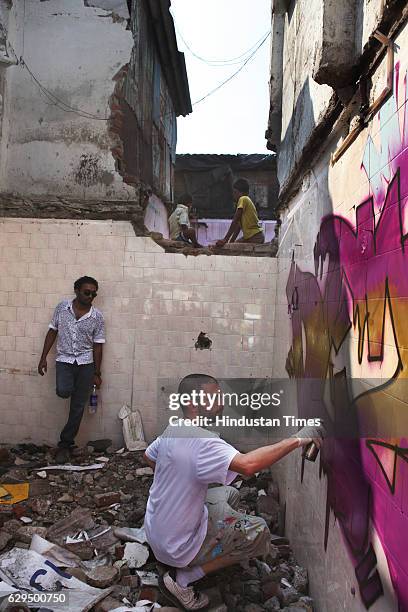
point(74, 381)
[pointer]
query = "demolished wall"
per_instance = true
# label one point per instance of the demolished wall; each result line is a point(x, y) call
point(155, 305)
point(71, 54)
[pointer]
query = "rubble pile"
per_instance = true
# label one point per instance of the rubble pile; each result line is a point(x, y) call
point(85, 522)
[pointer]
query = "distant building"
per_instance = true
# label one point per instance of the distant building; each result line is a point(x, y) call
point(209, 179)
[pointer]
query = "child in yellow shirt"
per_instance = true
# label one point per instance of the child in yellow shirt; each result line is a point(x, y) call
point(245, 218)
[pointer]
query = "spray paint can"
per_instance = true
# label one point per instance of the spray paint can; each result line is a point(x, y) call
point(311, 451)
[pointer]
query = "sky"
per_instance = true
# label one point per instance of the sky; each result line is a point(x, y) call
point(233, 119)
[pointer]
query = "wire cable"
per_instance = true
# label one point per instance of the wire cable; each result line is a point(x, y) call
point(230, 62)
point(57, 101)
point(210, 93)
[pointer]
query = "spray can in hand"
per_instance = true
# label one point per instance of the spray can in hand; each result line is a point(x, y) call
point(93, 401)
point(311, 451)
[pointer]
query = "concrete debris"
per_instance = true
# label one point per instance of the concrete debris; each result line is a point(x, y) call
point(5, 538)
point(66, 498)
point(272, 604)
point(100, 446)
point(25, 533)
point(148, 578)
point(42, 474)
point(300, 579)
point(98, 538)
point(74, 468)
point(132, 428)
point(288, 596)
point(18, 461)
point(54, 553)
point(102, 577)
point(135, 554)
point(39, 506)
point(106, 499)
point(147, 471)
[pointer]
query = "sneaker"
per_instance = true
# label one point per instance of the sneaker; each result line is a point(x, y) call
point(187, 598)
point(62, 455)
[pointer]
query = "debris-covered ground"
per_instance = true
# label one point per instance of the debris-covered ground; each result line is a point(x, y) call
point(88, 524)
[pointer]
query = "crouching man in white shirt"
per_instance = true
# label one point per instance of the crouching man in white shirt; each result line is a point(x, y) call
point(194, 530)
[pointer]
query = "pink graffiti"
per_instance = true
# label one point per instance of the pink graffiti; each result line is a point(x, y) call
point(366, 276)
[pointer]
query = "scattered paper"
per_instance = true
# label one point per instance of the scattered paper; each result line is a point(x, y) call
point(261, 492)
point(75, 468)
point(144, 605)
point(83, 536)
point(42, 474)
point(4, 492)
point(26, 520)
point(58, 555)
point(18, 493)
point(29, 571)
point(132, 428)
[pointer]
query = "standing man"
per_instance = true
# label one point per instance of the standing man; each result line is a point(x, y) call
point(81, 334)
point(245, 218)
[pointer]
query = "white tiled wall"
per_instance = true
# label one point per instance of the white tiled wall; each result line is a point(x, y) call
point(155, 305)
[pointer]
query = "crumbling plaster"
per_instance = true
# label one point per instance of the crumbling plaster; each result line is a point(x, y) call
point(305, 100)
point(51, 150)
point(309, 107)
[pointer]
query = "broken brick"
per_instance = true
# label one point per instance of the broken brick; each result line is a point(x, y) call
point(106, 499)
point(130, 581)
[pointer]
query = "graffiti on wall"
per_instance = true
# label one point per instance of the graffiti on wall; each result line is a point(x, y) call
point(360, 281)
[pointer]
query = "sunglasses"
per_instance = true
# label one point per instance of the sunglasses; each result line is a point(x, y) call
point(89, 293)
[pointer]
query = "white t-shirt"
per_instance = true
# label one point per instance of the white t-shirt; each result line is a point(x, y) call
point(188, 459)
point(178, 218)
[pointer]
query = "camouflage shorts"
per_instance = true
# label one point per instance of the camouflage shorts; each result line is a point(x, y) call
point(231, 533)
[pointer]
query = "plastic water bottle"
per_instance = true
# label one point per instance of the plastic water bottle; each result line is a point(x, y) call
point(93, 401)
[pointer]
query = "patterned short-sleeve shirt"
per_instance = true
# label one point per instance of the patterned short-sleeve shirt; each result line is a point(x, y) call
point(76, 337)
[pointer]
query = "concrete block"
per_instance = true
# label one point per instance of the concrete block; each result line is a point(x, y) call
point(17, 269)
point(8, 313)
point(9, 226)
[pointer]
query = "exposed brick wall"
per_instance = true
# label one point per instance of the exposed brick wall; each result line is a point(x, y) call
point(155, 305)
